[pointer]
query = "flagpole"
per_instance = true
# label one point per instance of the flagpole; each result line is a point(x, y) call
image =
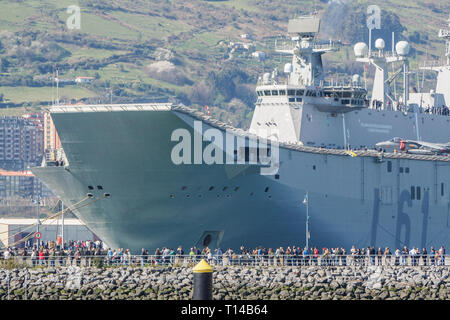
point(306, 202)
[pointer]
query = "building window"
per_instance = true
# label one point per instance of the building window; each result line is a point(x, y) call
point(418, 193)
point(442, 189)
point(413, 193)
point(401, 169)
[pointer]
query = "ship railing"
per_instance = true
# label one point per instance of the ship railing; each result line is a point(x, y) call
point(228, 260)
point(432, 64)
point(286, 45)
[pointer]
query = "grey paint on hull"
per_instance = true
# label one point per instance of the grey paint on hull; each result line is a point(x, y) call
point(128, 153)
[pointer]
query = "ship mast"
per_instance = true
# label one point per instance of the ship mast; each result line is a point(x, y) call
point(307, 68)
point(443, 70)
point(445, 34)
point(382, 95)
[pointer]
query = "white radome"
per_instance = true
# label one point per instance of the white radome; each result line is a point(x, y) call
point(356, 78)
point(360, 49)
point(288, 68)
point(379, 44)
point(402, 48)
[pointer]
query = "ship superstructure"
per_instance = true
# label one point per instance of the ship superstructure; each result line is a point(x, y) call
point(438, 100)
point(121, 179)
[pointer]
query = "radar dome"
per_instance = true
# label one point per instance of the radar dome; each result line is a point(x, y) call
point(360, 49)
point(379, 44)
point(288, 68)
point(402, 48)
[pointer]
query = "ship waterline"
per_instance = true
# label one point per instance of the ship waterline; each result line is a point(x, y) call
point(155, 203)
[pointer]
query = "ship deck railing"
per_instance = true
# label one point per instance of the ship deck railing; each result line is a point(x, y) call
point(230, 260)
point(294, 145)
point(363, 152)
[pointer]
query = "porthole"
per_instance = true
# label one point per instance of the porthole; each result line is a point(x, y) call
point(236, 189)
point(251, 193)
point(188, 196)
point(90, 187)
point(224, 188)
point(183, 188)
point(266, 189)
point(211, 188)
point(172, 196)
point(99, 187)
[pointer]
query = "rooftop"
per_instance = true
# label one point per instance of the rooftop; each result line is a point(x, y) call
point(28, 221)
point(6, 173)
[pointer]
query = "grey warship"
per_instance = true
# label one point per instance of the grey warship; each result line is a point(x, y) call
point(120, 178)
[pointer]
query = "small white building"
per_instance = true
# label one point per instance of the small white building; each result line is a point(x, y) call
point(14, 230)
point(84, 79)
point(259, 55)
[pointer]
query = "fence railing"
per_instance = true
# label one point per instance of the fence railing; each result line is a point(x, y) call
point(227, 260)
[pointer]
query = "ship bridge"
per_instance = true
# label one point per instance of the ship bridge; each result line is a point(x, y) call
point(282, 99)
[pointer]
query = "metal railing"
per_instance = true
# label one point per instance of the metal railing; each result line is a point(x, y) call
point(227, 260)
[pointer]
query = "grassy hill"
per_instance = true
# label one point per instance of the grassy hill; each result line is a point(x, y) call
point(125, 44)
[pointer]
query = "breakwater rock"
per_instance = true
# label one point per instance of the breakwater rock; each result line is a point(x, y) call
point(243, 282)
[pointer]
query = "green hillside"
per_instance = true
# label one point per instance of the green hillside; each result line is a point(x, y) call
point(175, 49)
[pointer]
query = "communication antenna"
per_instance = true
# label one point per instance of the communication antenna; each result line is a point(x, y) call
point(393, 42)
point(423, 71)
point(393, 67)
point(57, 86)
point(53, 85)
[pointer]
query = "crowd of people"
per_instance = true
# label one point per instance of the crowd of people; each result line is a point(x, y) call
point(73, 252)
point(328, 256)
point(442, 110)
point(50, 253)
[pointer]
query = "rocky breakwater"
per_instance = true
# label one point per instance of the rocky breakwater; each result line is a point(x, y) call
point(353, 282)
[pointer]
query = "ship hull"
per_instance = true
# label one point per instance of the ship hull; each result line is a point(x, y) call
point(154, 203)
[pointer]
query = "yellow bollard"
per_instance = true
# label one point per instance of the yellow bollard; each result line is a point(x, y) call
point(203, 273)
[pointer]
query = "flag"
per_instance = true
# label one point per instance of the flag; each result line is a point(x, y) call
point(207, 109)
